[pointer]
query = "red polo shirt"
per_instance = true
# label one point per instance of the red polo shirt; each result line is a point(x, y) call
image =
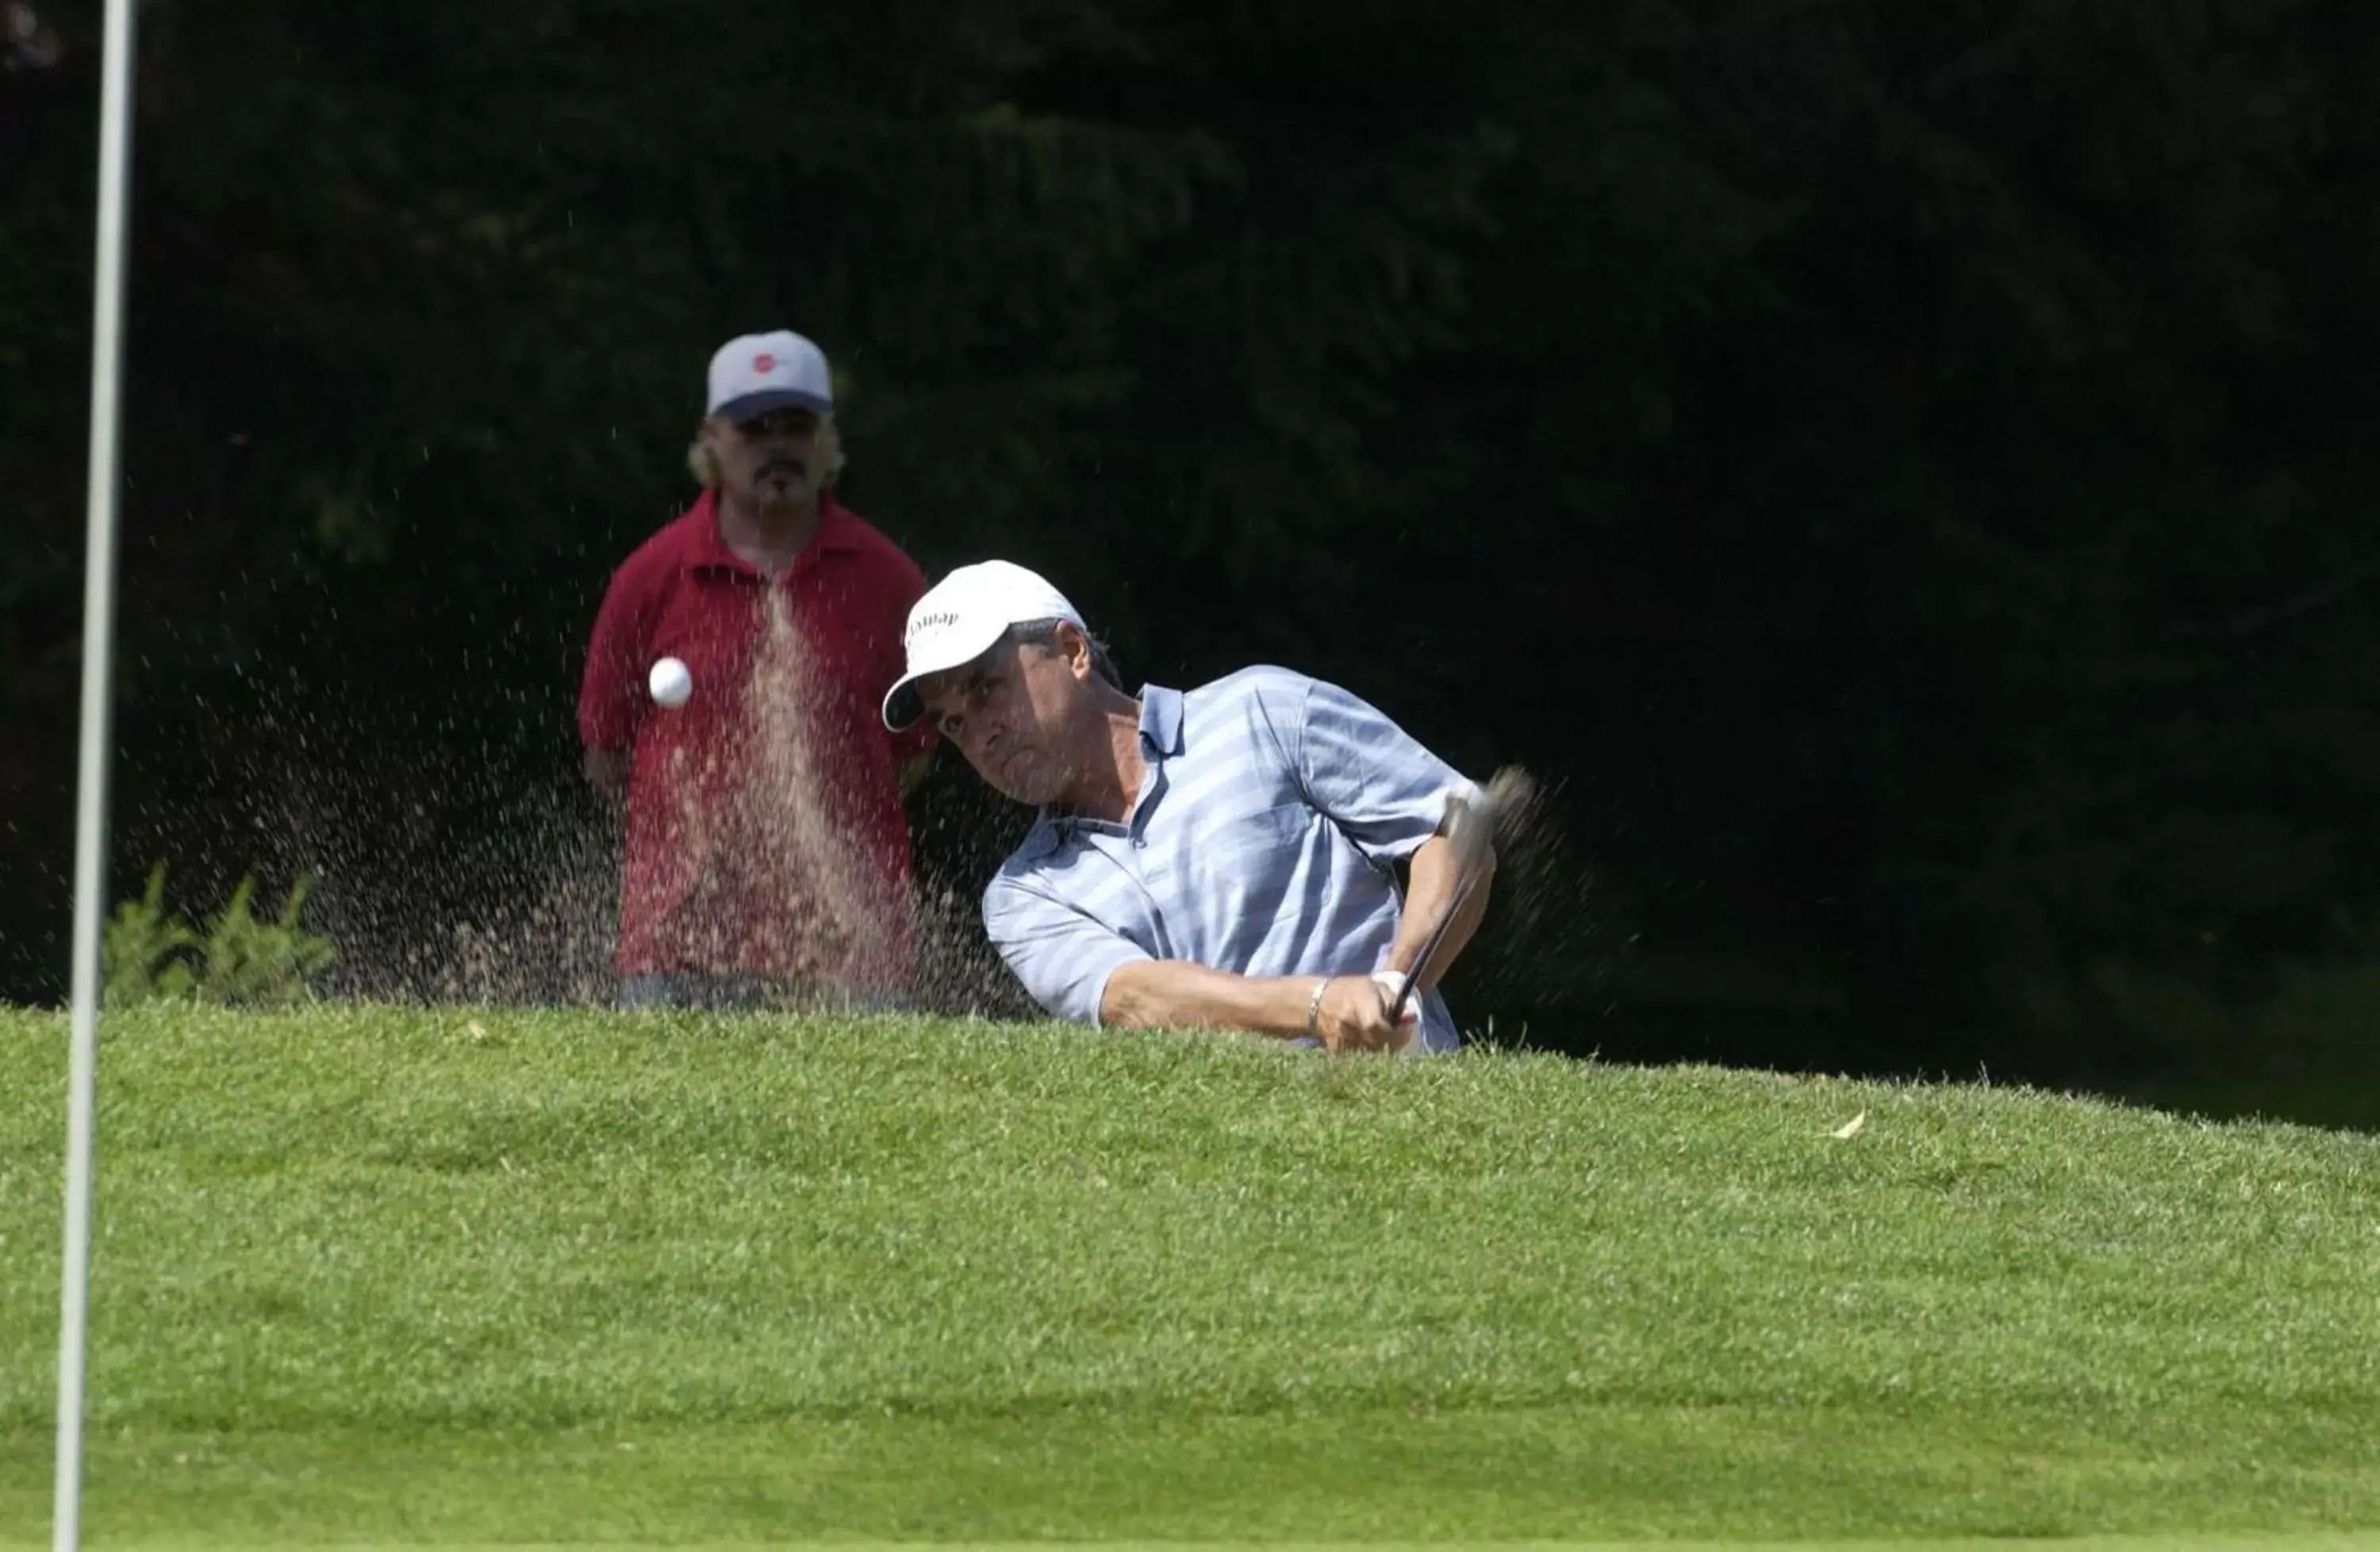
point(765, 835)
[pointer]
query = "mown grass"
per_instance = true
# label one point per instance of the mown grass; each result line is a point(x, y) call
point(400, 1277)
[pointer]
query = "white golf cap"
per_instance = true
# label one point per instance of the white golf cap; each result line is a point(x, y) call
point(756, 373)
point(961, 618)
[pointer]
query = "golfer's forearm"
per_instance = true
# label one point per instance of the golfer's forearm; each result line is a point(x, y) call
point(1175, 994)
point(1430, 891)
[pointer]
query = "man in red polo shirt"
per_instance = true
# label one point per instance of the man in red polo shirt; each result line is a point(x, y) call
point(766, 856)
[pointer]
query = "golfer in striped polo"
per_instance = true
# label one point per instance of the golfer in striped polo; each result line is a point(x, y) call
point(1222, 857)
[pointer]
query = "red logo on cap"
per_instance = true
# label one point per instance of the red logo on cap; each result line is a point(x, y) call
point(764, 363)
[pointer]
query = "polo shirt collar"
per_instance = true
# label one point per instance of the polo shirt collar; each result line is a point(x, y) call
point(1160, 738)
point(837, 530)
point(1042, 838)
point(1161, 721)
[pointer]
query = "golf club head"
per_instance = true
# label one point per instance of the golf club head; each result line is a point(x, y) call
point(1474, 814)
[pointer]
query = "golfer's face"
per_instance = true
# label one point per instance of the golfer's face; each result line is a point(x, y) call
point(771, 458)
point(1000, 711)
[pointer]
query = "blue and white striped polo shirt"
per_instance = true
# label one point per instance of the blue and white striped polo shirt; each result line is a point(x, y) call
point(1262, 841)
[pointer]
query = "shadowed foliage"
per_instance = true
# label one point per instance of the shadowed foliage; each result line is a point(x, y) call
point(1892, 468)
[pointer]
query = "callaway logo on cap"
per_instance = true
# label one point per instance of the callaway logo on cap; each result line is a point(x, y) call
point(757, 373)
point(960, 619)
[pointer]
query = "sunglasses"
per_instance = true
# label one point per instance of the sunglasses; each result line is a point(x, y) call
point(779, 422)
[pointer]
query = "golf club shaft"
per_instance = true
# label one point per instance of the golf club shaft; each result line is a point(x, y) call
point(1437, 936)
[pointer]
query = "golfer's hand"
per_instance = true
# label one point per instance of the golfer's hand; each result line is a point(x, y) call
point(1354, 1015)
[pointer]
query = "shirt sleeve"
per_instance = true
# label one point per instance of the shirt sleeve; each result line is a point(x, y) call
point(611, 694)
point(1383, 788)
point(1062, 956)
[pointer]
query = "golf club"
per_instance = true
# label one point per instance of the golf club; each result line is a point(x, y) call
point(1470, 829)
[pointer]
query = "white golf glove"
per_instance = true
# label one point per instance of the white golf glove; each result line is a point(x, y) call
point(1392, 982)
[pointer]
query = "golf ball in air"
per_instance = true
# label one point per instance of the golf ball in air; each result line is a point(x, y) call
point(672, 684)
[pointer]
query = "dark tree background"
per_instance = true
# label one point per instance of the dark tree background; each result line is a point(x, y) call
point(1897, 470)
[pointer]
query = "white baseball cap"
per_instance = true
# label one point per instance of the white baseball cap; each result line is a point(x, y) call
point(756, 373)
point(961, 618)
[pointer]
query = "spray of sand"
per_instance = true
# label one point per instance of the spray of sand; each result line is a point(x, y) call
point(786, 839)
point(1542, 945)
point(447, 878)
point(783, 875)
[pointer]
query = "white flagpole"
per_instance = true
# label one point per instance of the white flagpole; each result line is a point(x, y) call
point(91, 800)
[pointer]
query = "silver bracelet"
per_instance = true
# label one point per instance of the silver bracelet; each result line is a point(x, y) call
point(1314, 1008)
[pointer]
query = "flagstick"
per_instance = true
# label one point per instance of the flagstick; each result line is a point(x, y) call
point(91, 800)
